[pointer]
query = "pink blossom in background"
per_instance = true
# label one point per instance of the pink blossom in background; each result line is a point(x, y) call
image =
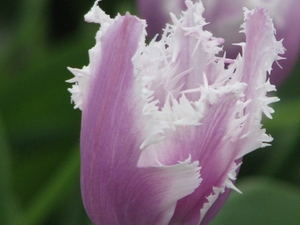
point(165, 125)
point(224, 18)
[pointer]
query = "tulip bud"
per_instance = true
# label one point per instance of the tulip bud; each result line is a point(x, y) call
point(165, 125)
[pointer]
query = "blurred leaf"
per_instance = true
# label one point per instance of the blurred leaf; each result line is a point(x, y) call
point(284, 150)
point(42, 124)
point(9, 213)
point(56, 190)
point(289, 89)
point(286, 114)
point(264, 201)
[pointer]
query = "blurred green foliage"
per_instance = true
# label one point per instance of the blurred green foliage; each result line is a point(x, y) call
point(39, 130)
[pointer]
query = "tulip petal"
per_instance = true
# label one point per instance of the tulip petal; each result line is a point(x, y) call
point(259, 53)
point(114, 188)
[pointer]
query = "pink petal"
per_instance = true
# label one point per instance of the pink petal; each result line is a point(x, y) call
point(114, 189)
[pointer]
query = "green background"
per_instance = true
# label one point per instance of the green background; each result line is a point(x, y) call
point(39, 129)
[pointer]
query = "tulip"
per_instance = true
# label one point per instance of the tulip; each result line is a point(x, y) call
point(165, 125)
point(225, 17)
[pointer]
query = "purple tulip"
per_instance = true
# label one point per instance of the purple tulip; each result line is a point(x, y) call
point(225, 17)
point(165, 125)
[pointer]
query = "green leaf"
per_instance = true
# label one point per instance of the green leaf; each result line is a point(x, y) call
point(264, 201)
point(55, 191)
point(286, 114)
point(9, 213)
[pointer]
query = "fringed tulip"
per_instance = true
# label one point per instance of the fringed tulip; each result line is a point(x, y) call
point(165, 125)
point(225, 17)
